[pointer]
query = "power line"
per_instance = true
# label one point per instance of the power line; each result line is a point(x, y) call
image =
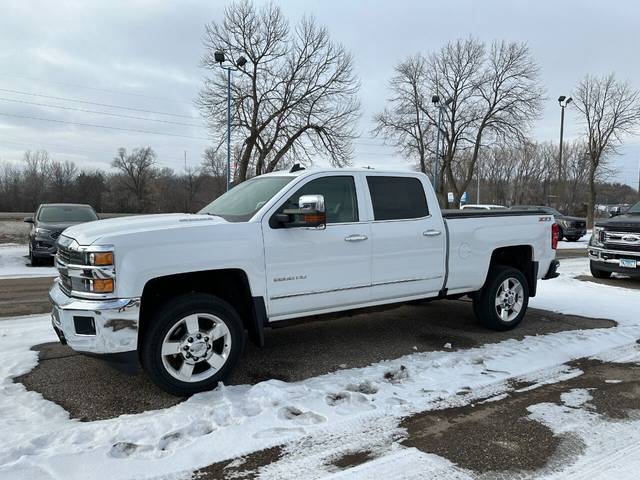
point(75, 109)
point(117, 92)
point(86, 102)
point(94, 125)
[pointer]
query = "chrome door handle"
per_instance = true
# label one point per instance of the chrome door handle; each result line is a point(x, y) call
point(431, 233)
point(355, 238)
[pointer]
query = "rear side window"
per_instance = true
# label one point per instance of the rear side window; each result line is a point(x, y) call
point(396, 198)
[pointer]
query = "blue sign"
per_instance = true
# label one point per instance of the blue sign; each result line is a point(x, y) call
point(464, 198)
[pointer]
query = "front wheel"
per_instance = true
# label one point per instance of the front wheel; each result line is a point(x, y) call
point(597, 273)
point(35, 261)
point(502, 302)
point(193, 342)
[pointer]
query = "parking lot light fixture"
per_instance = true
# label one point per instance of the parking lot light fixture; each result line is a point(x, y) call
point(229, 66)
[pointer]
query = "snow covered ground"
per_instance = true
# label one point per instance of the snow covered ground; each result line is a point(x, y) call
point(582, 243)
point(340, 412)
point(15, 264)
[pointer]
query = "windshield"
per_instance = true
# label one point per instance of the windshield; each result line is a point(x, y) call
point(242, 202)
point(634, 208)
point(66, 214)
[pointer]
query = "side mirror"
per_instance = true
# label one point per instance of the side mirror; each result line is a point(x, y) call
point(310, 213)
point(28, 220)
point(312, 210)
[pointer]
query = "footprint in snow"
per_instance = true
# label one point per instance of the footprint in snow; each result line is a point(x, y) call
point(185, 435)
point(398, 375)
point(300, 417)
point(348, 402)
point(366, 387)
point(278, 432)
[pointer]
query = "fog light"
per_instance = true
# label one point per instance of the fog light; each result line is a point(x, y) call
point(102, 285)
point(84, 325)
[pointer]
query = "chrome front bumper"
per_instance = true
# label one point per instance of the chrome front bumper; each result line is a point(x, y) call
point(608, 255)
point(107, 326)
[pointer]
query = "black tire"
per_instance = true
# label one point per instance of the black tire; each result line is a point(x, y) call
point(560, 233)
point(484, 301)
point(167, 318)
point(573, 239)
point(35, 261)
point(597, 273)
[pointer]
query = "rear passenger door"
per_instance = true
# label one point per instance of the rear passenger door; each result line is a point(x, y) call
point(408, 240)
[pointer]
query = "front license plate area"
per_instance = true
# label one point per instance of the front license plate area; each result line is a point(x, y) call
point(628, 263)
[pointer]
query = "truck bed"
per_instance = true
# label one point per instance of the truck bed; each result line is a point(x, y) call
point(452, 214)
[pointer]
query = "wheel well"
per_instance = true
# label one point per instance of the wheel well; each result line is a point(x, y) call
point(519, 257)
point(231, 285)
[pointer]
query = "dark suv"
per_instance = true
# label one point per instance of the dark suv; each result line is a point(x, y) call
point(571, 228)
point(49, 222)
point(615, 245)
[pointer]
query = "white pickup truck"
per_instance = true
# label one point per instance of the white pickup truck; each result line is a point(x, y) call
point(179, 293)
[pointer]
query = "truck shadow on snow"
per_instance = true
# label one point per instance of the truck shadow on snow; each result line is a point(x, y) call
point(90, 389)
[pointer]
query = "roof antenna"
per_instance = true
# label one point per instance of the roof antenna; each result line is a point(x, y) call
point(296, 168)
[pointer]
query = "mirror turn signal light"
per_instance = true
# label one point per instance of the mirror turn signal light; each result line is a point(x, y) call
point(101, 258)
point(102, 285)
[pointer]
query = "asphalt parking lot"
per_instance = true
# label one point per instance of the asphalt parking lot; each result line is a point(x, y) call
point(91, 390)
point(484, 438)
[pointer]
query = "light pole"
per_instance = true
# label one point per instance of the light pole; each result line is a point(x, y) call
point(563, 102)
point(219, 57)
point(440, 106)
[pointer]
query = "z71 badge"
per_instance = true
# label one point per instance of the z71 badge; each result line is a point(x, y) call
point(544, 219)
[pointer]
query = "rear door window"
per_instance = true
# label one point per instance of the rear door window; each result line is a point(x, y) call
point(397, 198)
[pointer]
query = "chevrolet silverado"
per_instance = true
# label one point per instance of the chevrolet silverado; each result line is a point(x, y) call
point(179, 293)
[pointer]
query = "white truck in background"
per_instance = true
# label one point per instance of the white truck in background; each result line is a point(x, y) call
point(179, 293)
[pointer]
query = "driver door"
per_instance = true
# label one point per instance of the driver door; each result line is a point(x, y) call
point(310, 270)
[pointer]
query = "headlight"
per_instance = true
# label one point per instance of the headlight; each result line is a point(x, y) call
point(43, 231)
point(101, 258)
point(596, 236)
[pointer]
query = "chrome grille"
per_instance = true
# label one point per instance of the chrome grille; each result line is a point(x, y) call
point(621, 240)
point(71, 257)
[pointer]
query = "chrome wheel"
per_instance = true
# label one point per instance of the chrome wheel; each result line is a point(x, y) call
point(509, 299)
point(196, 347)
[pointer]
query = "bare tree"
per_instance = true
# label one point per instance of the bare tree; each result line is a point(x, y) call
point(610, 110)
point(403, 122)
point(35, 174)
point(493, 96)
point(62, 177)
point(138, 169)
point(295, 97)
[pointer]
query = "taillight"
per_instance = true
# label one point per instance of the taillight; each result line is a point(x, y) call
point(555, 230)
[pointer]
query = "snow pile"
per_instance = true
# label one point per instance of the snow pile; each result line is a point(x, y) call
point(14, 263)
point(348, 408)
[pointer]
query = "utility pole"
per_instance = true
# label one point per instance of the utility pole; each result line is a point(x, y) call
point(478, 173)
point(563, 102)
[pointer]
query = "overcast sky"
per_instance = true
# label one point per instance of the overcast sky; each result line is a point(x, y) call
point(144, 55)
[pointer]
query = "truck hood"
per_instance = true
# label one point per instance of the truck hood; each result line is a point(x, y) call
point(627, 221)
point(92, 232)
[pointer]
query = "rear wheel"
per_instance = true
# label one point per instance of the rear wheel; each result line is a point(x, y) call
point(597, 273)
point(192, 344)
point(573, 239)
point(560, 233)
point(502, 302)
